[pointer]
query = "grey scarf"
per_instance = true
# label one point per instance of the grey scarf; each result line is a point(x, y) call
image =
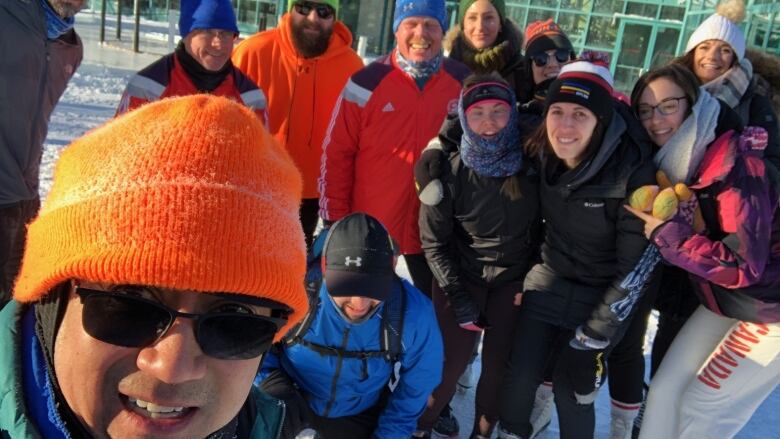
point(731, 86)
point(679, 158)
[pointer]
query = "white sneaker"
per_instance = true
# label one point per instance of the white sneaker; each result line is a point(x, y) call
point(541, 415)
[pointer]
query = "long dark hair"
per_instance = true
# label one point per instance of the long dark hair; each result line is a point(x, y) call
point(677, 73)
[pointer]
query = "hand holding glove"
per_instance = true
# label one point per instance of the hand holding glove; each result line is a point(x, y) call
point(584, 360)
point(427, 171)
point(467, 313)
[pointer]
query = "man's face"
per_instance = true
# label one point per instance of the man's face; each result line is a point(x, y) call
point(310, 31)
point(211, 48)
point(169, 388)
point(356, 308)
point(419, 38)
point(67, 8)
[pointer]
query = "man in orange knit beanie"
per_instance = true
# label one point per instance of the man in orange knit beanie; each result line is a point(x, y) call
point(165, 261)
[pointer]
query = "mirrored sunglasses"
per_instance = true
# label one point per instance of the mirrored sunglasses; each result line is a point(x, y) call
point(323, 11)
point(561, 55)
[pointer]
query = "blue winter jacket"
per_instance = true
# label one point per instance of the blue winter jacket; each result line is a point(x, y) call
point(358, 385)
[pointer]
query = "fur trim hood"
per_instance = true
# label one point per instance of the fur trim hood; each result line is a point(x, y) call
point(767, 66)
point(509, 32)
point(503, 57)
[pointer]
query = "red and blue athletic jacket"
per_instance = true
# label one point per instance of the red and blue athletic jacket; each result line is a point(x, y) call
point(380, 125)
point(166, 77)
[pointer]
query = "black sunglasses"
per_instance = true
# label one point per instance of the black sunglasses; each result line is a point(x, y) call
point(323, 11)
point(125, 320)
point(561, 55)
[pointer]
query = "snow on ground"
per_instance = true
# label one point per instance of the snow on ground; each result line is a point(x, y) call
point(91, 99)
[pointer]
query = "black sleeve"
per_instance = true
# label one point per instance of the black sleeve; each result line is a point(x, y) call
point(298, 415)
point(450, 134)
point(762, 114)
point(436, 230)
point(618, 301)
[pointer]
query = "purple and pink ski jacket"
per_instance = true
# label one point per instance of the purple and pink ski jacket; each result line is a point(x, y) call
point(735, 265)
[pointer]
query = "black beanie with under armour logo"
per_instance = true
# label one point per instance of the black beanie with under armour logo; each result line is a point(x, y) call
point(359, 258)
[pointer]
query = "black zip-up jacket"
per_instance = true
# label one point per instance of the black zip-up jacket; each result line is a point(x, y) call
point(479, 234)
point(34, 72)
point(591, 241)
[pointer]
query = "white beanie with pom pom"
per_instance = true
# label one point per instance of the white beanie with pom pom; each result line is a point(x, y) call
point(723, 26)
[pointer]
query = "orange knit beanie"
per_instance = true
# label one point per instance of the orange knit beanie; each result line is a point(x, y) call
point(188, 193)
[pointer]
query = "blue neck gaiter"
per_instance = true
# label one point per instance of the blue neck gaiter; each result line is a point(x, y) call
point(420, 71)
point(499, 156)
point(56, 26)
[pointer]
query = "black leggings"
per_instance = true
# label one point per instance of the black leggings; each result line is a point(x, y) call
point(309, 213)
point(496, 305)
point(421, 274)
point(13, 234)
point(535, 342)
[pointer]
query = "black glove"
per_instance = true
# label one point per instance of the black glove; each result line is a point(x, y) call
point(585, 367)
point(427, 171)
point(466, 311)
point(297, 412)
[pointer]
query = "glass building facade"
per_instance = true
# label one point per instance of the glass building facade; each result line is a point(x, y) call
point(638, 34)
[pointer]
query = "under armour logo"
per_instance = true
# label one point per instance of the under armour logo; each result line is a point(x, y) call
point(358, 261)
point(408, 7)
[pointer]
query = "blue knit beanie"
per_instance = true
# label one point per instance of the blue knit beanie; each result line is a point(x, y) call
point(420, 8)
point(206, 14)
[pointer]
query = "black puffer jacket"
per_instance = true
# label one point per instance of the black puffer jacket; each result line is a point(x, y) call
point(591, 242)
point(477, 232)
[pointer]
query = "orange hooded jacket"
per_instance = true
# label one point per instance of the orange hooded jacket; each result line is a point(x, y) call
point(299, 110)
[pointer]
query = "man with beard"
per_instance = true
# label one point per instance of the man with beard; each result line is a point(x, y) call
point(385, 116)
point(302, 65)
point(164, 262)
point(200, 64)
point(40, 52)
point(366, 357)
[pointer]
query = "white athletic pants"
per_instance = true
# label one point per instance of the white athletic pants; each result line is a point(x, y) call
point(715, 375)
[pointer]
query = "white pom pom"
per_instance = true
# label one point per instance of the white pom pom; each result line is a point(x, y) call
point(734, 10)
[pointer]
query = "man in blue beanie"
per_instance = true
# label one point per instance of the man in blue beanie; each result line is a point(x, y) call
point(387, 113)
point(200, 64)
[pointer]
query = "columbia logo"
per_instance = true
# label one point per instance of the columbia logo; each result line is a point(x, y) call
point(388, 107)
point(594, 205)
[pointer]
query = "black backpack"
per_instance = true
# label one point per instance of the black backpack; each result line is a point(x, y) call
point(392, 316)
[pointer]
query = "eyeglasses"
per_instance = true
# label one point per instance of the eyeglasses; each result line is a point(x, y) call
point(121, 319)
point(323, 11)
point(561, 55)
point(666, 107)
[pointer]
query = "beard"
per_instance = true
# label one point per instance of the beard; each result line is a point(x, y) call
point(67, 8)
point(311, 46)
